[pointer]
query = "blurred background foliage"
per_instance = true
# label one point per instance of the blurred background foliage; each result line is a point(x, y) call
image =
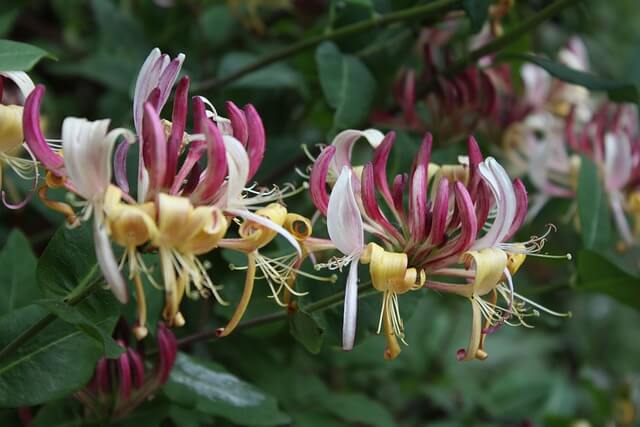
point(565, 372)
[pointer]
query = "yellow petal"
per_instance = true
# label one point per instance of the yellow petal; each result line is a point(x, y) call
point(209, 225)
point(388, 270)
point(257, 236)
point(10, 127)
point(489, 265)
point(299, 226)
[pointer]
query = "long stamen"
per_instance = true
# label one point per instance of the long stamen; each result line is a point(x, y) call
point(244, 300)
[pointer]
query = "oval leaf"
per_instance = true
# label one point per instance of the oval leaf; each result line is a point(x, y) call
point(15, 56)
point(593, 207)
point(210, 389)
point(17, 273)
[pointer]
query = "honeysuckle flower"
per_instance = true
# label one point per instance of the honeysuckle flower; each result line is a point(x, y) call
point(472, 208)
point(11, 134)
point(120, 385)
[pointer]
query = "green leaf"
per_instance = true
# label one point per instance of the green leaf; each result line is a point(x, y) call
point(347, 84)
point(59, 413)
point(208, 388)
point(358, 409)
point(598, 274)
point(17, 273)
point(274, 76)
point(70, 315)
point(67, 266)
point(16, 56)
point(617, 91)
point(478, 12)
point(50, 365)
point(306, 330)
point(593, 207)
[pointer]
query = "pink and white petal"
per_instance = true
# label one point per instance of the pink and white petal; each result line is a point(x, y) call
point(344, 142)
point(344, 222)
point(350, 314)
point(22, 80)
point(107, 261)
point(617, 161)
point(238, 171)
point(265, 222)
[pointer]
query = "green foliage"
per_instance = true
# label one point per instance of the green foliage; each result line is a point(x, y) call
point(347, 84)
point(593, 207)
point(17, 273)
point(208, 388)
point(305, 329)
point(616, 91)
point(16, 56)
point(50, 365)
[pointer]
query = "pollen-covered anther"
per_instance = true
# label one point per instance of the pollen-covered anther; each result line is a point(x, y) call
point(54, 181)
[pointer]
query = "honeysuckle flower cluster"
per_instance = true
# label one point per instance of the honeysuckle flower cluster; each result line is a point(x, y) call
point(566, 123)
point(119, 386)
point(180, 207)
point(440, 227)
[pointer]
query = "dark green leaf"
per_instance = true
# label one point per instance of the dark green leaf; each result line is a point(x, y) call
point(274, 76)
point(15, 56)
point(617, 91)
point(67, 266)
point(17, 273)
point(593, 207)
point(598, 274)
point(210, 389)
point(59, 413)
point(50, 365)
point(347, 84)
point(70, 315)
point(306, 330)
point(478, 12)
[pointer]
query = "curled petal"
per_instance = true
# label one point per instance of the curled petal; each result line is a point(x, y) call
point(350, 315)
point(33, 134)
point(476, 334)
point(108, 263)
point(318, 179)
point(344, 142)
point(265, 222)
point(256, 142)
point(21, 79)
point(344, 222)
point(475, 158)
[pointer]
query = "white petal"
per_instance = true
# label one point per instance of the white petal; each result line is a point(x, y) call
point(537, 82)
point(344, 222)
point(245, 214)
point(617, 161)
point(238, 171)
point(350, 316)
point(87, 155)
point(22, 80)
point(108, 262)
point(144, 83)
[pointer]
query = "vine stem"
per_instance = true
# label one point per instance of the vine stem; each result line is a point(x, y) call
point(75, 297)
point(322, 304)
point(432, 8)
point(503, 41)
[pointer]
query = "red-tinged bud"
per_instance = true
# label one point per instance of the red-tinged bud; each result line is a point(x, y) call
point(370, 202)
point(380, 159)
point(440, 213)
point(124, 375)
point(399, 184)
point(154, 147)
point(522, 206)
point(418, 188)
point(216, 170)
point(167, 348)
point(137, 368)
point(178, 126)
point(102, 377)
